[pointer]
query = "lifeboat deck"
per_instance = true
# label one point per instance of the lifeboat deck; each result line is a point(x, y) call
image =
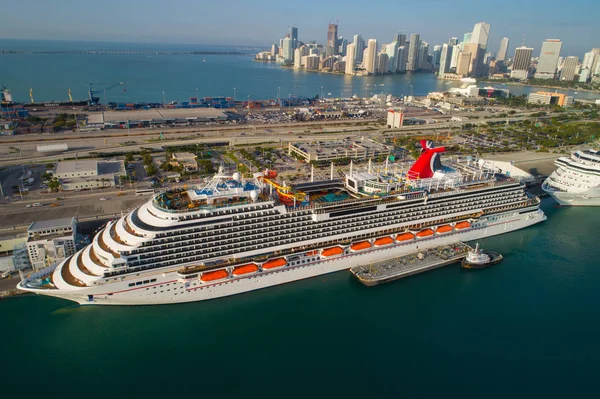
point(407, 265)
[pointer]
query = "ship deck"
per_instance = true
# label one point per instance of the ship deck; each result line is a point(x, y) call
point(408, 265)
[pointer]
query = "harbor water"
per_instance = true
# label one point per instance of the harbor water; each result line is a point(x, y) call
point(50, 68)
point(527, 327)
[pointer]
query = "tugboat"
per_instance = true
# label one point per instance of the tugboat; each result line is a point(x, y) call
point(479, 259)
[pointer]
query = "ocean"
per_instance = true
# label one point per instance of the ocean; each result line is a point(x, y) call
point(527, 327)
point(181, 76)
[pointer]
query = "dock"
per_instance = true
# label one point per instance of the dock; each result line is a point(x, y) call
point(407, 265)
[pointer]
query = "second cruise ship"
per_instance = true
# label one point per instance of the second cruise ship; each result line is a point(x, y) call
point(235, 235)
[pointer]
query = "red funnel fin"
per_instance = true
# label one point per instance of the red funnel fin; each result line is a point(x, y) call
point(423, 167)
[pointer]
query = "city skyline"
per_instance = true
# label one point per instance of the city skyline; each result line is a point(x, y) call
point(194, 23)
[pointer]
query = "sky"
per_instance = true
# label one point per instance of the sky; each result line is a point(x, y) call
point(262, 22)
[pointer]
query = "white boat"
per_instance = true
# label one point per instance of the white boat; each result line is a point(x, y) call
point(236, 235)
point(576, 181)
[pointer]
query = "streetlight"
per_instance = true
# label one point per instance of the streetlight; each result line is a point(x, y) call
point(289, 102)
point(163, 96)
point(279, 95)
point(233, 93)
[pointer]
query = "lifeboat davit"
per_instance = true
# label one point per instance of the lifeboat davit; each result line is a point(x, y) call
point(274, 263)
point(462, 225)
point(443, 229)
point(425, 233)
point(359, 246)
point(245, 269)
point(405, 237)
point(311, 253)
point(212, 276)
point(332, 251)
point(383, 241)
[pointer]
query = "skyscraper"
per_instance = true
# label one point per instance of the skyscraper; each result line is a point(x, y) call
point(297, 59)
point(548, 61)
point(412, 64)
point(423, 62)
point(293, 34)
point(437, 54)
point(400, 38)
point(288, 50)
point(370, 60)
point(569, 67)
point(332, 37)
point(445, 58)
point(350, 58)
point(467, 37)
point(382, 63)
point(521, 62)
point(476, 58)
point(503, 49)
point(456, 49)
point(392, 52)
point(464, 63)
point(481, 33)
point(360, 47)
point(342, 45)
point(402, 56)
point(453, 41)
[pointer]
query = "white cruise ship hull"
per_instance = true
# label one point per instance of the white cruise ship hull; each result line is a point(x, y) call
point(589, 198)
point(169, 287)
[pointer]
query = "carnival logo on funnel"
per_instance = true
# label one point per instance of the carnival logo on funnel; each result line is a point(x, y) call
point(427, 163)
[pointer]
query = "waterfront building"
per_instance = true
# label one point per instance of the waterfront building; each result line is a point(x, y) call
point(382, 63)
point(521, 63)
point(445, 58)
point(350, 58)
point(584, 75)
point(311, 62)
point(453, 41)
point(392, 52)
point(274, 49)
point(402, 56)
point(297, 59)
point(293, 34)
point(456, 49)
point(548, 61)
point(463, 64)
point(476, 58)
point(370, 56)
point(343, 45)
point(332, 38)
point(359, 43)
point(326, 63)
point(503, 49)
point(50, 241)
point(288, 50)
point(400, 38)
point(569, 68)
point(481, 33)
point(424, 62)
point(436, 55)
point(547, 98)
point(412, 64)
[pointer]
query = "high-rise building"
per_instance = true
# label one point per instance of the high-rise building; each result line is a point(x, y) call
point(453, 41)
point(297, 59)
point(445, 58)
point(463, 63)
point(288, 50)
point(392, 51)
point(595, 70)
point(436, 55)
point(402, 57)
point(370, 59)
point(400, 38)
point(588, 60)
point(343, 43)
point(382, 63)
point(412, 64)
point(424, 56)
point(481, 33)
point(456, 49)
point(350, 58)
point(548, 61)
point(332, 37)
point(293, 34)
point(521, 62)
point(503, 49)
point(569, 67)
point(360, 47)
point(467, 37)
point(476, 58)
point(274, 49)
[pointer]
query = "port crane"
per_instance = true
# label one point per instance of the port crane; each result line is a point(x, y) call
point(95, 100)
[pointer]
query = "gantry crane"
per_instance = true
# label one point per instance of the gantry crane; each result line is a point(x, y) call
point(95, 100)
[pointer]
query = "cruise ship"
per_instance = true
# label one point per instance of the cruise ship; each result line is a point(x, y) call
point(234, 235)
point(576, 181)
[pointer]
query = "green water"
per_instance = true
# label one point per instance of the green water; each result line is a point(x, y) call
point(528, 327)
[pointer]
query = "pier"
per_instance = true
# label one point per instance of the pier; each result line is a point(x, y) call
point(407, 265)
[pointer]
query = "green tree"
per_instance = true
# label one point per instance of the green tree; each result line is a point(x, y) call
point(129, 157)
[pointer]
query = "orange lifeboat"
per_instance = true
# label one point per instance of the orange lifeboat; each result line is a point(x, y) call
point(462, 225)
point(383, 241)
point(332, 251)
point(245, 269)
point(425, 233)
point(443, 229)
point(311, 253)
point(274, 263)
point(405, 237)
point(359, 246)
point(216, 275)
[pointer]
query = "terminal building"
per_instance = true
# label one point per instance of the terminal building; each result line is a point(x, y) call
point(153, 117)
point(324, 151)
point(89, 174)
point(547, 98)
point(50, 241)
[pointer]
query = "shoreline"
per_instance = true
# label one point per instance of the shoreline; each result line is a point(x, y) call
point(541, 86)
